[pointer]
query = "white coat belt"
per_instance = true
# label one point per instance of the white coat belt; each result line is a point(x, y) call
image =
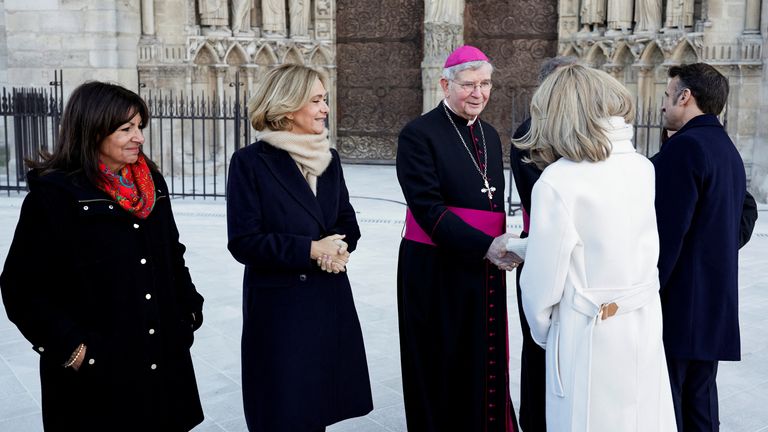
point(630, 300)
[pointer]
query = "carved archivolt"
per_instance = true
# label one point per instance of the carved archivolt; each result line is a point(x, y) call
point(207, 50)
point(674, 50)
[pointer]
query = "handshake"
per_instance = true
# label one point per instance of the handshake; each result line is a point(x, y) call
point(499, 255)
point(330, 253)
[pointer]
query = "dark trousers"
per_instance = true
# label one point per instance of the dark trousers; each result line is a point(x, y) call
point(533, 381)
point(694, 393)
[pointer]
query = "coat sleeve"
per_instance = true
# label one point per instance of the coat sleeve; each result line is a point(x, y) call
point(748, 219)
point(346, 223)
point(192, 300)
point(249, 243)
point(419, 180)
point(547, 259)
point(35, 282)
point(680, 170)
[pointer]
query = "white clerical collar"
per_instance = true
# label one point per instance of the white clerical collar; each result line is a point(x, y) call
point(469, 122)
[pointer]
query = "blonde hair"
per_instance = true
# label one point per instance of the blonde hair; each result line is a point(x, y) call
point(284, 90)
point(568, 114)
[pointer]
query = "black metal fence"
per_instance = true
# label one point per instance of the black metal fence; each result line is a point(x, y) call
point(29, 118)
point(190, 137)
point(647, 140)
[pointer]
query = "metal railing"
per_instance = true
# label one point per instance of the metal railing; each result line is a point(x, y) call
point(647, 140)
point(192, 138)
point(29, 118)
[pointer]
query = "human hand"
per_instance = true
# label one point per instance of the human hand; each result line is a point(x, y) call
point(331, 265)
point(499, 256)
point(331, 253)
point(331, 245)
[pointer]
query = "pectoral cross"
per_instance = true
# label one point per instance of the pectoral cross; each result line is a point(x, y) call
point(488, 189)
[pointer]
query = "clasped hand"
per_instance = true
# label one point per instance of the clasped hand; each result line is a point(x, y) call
point(331, 253)
point(499, 256)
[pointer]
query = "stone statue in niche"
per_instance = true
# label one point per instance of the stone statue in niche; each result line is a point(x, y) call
point(619, 17)
point(273, 17)
point(241, 17)
point(323, 8)
point(444, 11)
point(679, 14)
point(214, 16)
point(592, 15)
point(647, 16)
point(299, 11)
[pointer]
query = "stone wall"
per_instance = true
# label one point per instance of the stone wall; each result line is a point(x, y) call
point(153, 45)
point(3, 47)
point(87, 39)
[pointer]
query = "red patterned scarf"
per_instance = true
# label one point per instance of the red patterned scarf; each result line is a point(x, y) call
point(132, 188)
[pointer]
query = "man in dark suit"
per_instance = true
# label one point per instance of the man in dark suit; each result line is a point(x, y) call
point(700, 190)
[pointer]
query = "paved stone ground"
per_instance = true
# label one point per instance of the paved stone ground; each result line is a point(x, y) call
point(376, 197)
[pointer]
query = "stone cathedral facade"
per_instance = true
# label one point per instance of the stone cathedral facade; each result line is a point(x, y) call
point(384, 57)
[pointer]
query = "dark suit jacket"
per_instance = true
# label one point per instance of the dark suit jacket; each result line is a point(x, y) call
point(303, 358)
point(700, 190)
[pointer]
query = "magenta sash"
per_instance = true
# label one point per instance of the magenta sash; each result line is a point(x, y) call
point(491, 223)
point(526, 221)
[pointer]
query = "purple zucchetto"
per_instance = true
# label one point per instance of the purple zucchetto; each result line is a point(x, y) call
point(464, 54)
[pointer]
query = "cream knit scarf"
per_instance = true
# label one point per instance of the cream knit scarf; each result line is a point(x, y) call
point(311, 152)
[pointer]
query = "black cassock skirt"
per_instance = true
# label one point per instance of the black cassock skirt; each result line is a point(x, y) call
point(453, 342)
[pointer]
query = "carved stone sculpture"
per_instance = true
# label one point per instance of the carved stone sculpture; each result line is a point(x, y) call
point(620, 15)
point(592, 15)
point(647, 16)
point(213, 14)
point(273, 17)
point(679, 14)
point(444, 11)
point(241, 16)
point(299, 10)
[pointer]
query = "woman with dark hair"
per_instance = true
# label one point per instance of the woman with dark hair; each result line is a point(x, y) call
point(95, 277)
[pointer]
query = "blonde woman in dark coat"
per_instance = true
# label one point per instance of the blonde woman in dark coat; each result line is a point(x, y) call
point(292, 226)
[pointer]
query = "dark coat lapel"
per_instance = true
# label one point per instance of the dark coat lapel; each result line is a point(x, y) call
point(284, 169)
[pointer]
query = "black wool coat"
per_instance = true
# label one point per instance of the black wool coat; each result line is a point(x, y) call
point(700, 190)
point(303, 359)
point(83, 270)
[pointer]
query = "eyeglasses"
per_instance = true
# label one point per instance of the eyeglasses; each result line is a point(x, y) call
point(469, 87)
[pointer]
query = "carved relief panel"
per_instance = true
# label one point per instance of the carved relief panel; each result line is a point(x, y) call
point(379, 54)
point(517, 36)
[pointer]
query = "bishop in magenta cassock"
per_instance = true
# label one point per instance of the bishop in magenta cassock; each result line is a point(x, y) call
point(451, 282)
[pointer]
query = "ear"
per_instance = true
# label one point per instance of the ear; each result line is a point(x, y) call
point(686, 98)
point(444, 85)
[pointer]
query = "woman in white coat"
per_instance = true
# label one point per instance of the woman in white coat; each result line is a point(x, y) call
point(590, 286)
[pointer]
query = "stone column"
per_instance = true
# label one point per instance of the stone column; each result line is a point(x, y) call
point(752, 24)
point(148, 17)
point(443, 32)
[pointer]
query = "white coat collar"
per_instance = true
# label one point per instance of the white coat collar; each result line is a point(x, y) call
point(619, 133)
